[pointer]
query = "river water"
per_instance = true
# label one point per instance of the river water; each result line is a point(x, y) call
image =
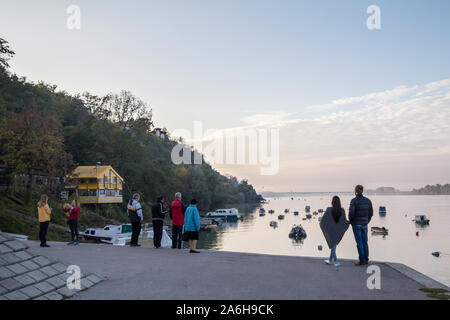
point(254, 234)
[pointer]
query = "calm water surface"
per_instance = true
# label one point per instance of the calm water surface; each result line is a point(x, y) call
point(254, 234)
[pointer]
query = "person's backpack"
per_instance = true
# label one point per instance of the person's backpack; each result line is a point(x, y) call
point(132, 214)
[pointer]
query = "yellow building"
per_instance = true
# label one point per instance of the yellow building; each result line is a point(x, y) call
point(98, 184)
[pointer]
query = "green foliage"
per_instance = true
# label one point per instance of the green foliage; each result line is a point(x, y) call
point(433, 190)
point(436, 293)
point(114, 130)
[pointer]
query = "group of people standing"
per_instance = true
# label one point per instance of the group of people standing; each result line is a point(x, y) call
point(185, 222)
point(334, 224)
point(45, 213)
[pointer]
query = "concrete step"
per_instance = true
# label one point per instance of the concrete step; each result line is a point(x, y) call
point(26, 275)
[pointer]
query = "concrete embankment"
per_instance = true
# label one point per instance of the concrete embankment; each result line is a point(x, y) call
point(147, 273)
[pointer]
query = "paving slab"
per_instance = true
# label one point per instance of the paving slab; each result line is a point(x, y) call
point(3, 238)
point(86, 284)
point(5, 273)
point(37, 275)
point(25, 280)
point(61, 267)
point(10, 258)
point(66, 292)
point(31, 292)
point(2, 261)
point(5, 249)
point(3, 290)
point(41, 261)
point(16, 295)
point(10, 284)
point(56, 282)
point(23, 255)
point(50, 271)
point(53, 296)
point(17, 268)
point(15, 245)
point(30, 265)
point(45, 287)
point(94, 278)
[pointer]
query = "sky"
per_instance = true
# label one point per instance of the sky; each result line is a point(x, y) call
point(352, 105)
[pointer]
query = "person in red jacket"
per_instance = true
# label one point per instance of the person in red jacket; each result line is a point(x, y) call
point(177, 209)
point(74, 211)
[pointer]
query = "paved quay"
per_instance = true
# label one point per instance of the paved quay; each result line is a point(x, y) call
point(147, 273)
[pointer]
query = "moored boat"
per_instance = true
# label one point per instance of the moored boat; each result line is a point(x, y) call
point(297, 232)
point(307, 209)
point(232, 215)
point(382, 211)
point(378, 230)
point(281, 217)
point(421, 219)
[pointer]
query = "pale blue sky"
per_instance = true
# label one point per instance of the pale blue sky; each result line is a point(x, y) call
point(222, 61)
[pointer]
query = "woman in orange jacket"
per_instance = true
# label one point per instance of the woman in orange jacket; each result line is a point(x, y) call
point(44, 212)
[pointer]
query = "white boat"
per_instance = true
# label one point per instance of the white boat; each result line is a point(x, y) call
point(231, 214)
point(106, 234)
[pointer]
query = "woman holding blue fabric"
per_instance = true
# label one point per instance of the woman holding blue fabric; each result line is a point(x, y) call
point(192, 226)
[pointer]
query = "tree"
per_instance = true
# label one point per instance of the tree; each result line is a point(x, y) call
point(30, 144)
point(5, 53)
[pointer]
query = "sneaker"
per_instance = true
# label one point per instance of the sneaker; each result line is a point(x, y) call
point(359, 264)
point(76, 243)
point(327, 261)
point(135, 245)
point(337, 264)
point(45, 245)
point(71, 243)
point(194, 251)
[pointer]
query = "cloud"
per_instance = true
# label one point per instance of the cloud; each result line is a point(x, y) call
point(407, 124)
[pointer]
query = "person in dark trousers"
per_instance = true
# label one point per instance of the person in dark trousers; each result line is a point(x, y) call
point(177, 210)
point(192, 226)
point(136, 217)
point(158, 215)
point(74, 211)
point(44, 212)
point(360, 214)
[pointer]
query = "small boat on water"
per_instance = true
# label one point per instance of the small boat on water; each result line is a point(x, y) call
point(382, 211)
point(297, 232)
point(262, 210)
point(232, 215)
point(315, 213)
point(320, 210)
point(296, 213)
point(273, 224)
point(271, 211)
point(281, 217)
point(308, 216)
point(262, 214)
point(421, 219)
point(286, 210)
point(377, 230)
point(307, 209)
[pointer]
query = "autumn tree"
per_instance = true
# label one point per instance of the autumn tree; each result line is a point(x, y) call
point(30, 144)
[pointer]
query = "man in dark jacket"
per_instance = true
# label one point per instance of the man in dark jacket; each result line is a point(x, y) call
point(360, 214)
point(177, 210)
point(158, 215)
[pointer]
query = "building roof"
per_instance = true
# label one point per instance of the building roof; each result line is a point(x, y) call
point(92, 172)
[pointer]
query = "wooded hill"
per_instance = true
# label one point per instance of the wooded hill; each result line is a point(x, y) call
point(48, 132)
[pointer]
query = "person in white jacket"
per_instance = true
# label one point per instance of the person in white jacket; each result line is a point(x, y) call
point(136, 218)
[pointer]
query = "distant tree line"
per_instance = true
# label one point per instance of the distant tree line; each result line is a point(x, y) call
point(48, 132)
point(433, 190)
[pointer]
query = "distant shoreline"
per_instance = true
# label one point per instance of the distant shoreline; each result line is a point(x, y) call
point(303, 194)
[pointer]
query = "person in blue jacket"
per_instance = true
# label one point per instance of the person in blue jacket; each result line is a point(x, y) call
point(360, 214)
point(192, 226)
